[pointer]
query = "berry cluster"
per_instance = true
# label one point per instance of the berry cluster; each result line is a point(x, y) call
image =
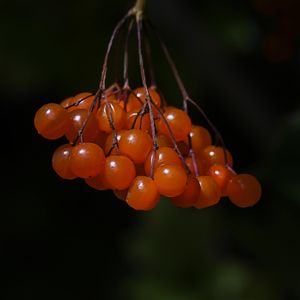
point(132, 142)
point(110, 146)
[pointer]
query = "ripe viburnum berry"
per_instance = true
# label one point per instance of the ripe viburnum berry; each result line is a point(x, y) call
point(244, 190)
point(51, 121)
point(210, 193)
point(190, 194)
point(142, 194)
point(87, 160)
point(170, 179)
point(61, 162)
point(136, 144)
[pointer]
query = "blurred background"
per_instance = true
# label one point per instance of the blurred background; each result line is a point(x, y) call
point(62, 240)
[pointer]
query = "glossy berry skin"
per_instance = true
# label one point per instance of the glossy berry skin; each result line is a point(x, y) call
point(118, 116)
point(132, 115)
point(163, 155)
point(170, 180)
point(215, 155)
point(137, 103)
point(77, 119)
point(136, 144)
point(200, 138)
point(142, 194)
point(189, 196)
point(210, 193)
point(87, 160)
point(61, 162)
point(221, 174)
point(119, 171)
point(98, 182)
point(109, 142)
point(200, 165)
point(179, 122)
point(80, 101)
point(244, 190)
point(163, 141)
point(51, 121)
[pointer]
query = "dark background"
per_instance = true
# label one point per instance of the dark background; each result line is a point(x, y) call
point(62, 240)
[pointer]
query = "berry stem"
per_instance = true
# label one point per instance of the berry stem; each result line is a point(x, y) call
point(139, 7)
point(148, 97)
point(185, 96)
point(212, 126)
point(113, 36)
point(125, 68)
point(171, 63)
point(149, 59)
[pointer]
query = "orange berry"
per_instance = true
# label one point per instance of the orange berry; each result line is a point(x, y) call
point(210, 193)
point(61, 162)
point(84, 101)
point(109, 142)
point(132, 115)
point(163, 155)
point(244, 190)
point(170, 180)
point(87, 160)
point(136, 144)
point(77, 119)
point(142, 194)
point(200, 138)
point(67, 102)
point(179, 122)
point(221, 174)
point(163, 141)
point(200, 164)
point(119, 171)
point(51, 121)
point(137, 103)
point(190, 195)
point(215, 155)
point(117, 114)
point(98, 182)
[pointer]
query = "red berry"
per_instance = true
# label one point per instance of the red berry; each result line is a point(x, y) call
point(221, 174)
point(244, 190)
point(210, 193)
point(142, 194)
point(61, 162)
point(51, 121)
point(190, 195)
point(179, 122)
point(163, 155)
point(119, 171)
point(118, 116)
point(136, 144)
point(170, 180)
point(87, 160)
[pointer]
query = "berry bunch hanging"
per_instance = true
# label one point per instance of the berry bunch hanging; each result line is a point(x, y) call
point(132, 142)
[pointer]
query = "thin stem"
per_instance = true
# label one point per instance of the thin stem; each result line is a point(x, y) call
point(139, 6)
point(212, 126)
point(171, 64)
point(172, 138)
point(148, 97)
point(149, 60)
point(125, 68)
point(184, 93)
point(114, 34)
